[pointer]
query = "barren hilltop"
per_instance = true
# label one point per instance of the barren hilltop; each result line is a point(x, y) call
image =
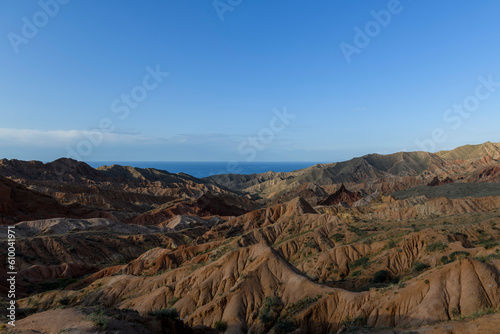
point(399, 243)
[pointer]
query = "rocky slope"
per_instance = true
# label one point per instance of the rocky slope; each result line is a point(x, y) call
point(115, 191)
point(313, 269)
point(19, 203)
point(342, 196)
point(375, 172)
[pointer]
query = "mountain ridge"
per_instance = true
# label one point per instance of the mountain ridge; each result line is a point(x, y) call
point(402, 169)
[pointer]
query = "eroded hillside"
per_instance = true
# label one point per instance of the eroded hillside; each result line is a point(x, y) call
point(379, 244)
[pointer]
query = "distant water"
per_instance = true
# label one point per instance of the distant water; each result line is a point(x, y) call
point(203, 169)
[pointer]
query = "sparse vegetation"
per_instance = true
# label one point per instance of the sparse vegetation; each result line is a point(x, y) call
point(489, 244)
point(359, 232)
point(487, 258)
point(436, 246)
point(299, 305)
point(310, 243)
point(420, 266)
point(363, 261)
point(390, 244)
point(458, 255)
point(352, 325)
point(58, 284)
point(381, 276)
point(284, 326)
point(172, 301)
point(356, 273)
point(338, 237)
point(165, 313)
point(269, 311)
point(98, 318)
point(196, 266)
point(479, 314)
point(220, 325)
point(64, 301)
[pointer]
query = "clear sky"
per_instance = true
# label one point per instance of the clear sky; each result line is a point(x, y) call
point(75, 79)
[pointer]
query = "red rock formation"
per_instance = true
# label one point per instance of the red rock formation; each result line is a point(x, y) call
point(341, 196)
point(437, 182)
point(18, 203)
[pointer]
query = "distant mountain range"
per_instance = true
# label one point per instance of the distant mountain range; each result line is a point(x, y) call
point(376, 172)
point(151, 196)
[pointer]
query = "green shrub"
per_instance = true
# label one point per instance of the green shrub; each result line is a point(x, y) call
point(482, 258)
point(479, 314)
point(294, 308)
point(436, 246)
point(380, 276)
point(310, 244)
point(64, 301)
point(354, 323)
point(165, 313)
point(173, 301)
point(363, 261)
point(395, 280)
point(445, 259)
point(266, 316)
point(268, 313)
point(419, 266)
point(284, 326)
point(356, 273)
point(490, 244)
point(367, 241)
point(98, 318)
point(220, 325)
point(270, 302)
point(458, 255)
point(337, 237)
point(356, 230)
point(391, 244)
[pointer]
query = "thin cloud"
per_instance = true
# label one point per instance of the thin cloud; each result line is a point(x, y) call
point(120, 143)
point(58, 138)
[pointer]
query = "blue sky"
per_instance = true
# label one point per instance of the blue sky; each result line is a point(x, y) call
point(62, 87)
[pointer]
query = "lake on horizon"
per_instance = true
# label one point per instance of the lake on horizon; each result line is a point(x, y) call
point(204, 169)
